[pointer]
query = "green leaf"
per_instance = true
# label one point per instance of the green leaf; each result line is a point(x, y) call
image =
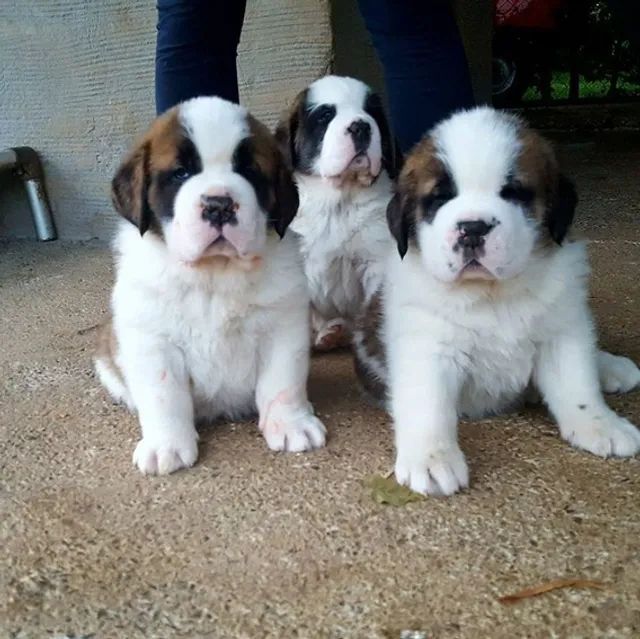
point(385, 490)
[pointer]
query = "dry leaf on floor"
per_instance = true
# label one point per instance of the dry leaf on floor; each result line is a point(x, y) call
point(548, 586)
point(385, 490)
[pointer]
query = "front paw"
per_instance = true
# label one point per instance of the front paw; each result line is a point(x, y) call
point(617, 374)
point(295, 435)
point(438, 472)
point(607, 435)
point(164, 455)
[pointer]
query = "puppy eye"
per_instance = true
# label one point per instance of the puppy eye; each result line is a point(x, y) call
point(442, 192)
point(324, 115)
point(180, 174)
point(517, 192)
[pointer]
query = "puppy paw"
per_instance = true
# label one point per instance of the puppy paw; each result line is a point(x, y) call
point(439, 472)
point(164, 456)
point(303, 433)
point(617, 374)
point(606, 436)
point(333, 335)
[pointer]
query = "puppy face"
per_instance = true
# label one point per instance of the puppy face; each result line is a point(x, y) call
point(337, 130)
point(480, 196)
point(209, 180)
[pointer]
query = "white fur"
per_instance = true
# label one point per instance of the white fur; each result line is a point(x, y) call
point(342, 228)
point(343, 238)
point(215, 127)
point(470, 348)
point(348, 96)
point(223, 339)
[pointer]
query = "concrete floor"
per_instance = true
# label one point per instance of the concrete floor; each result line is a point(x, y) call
point(253, 544)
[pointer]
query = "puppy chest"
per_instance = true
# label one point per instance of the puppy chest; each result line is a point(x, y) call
point(335, 283)
point(496, 372)
point(221, 349)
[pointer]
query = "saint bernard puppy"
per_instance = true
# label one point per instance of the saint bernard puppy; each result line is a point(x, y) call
point(210, 306)
point(337, 140)
point(489, 298)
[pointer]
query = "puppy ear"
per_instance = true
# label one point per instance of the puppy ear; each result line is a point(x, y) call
point(287, 129)
point(130, 186)
point(286, 200)
point(399, 218)
point(391, 156)
point(561, 209)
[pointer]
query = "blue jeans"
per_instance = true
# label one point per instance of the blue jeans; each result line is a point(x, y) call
point(418, 43)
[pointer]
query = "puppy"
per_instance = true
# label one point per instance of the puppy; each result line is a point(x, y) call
point(210, 307)
point(337, 141)
point(489, 298)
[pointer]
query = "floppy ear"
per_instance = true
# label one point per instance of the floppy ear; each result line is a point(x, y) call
point(399, 218)
point(286, 200)
point(287, 129)
point(391, 156)
point(561, 209)
point(130, 186)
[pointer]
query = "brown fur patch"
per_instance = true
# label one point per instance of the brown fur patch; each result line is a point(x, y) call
point(537, 169)
point(367, 338)
point(156, 150)
point(107, 349)
point(269, 158)
point(421, 172)
point(287, 127)
point(555, 198)
point(163, 138)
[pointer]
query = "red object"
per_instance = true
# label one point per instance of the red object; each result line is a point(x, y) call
point(527, 14)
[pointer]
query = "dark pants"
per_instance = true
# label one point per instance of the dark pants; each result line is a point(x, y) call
point(196, 50)
point(417, 41)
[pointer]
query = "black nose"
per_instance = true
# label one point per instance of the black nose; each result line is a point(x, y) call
point(361, 134)
point(218, 210)
point(474, 228)
point(472, 234)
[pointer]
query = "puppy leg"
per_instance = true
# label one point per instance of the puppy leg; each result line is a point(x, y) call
point(286, 417)
point(567, 374)
point(424, 389)
point(158, 381)
point(329, 335)
point(617, 374)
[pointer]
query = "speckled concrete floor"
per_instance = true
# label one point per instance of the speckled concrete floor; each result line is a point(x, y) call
point(254, 544)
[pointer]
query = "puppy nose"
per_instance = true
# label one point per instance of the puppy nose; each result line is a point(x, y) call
point(217, 209)
point(472, 233)
point(474, 228)
point(361, 134)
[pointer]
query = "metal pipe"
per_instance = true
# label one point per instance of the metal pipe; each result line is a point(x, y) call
point(25, 163)
point(40, 211)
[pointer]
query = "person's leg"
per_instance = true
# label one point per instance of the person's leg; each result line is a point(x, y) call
point(424, 63)
point(196, 50)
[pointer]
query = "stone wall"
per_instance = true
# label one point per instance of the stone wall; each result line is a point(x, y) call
point(76, 83)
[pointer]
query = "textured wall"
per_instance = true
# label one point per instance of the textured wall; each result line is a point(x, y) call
point(76, 83)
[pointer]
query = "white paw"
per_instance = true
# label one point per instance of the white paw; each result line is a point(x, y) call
point(617, 374)
point(439, 472)
point(606, 436)
point(302, 433)
point(164, 456)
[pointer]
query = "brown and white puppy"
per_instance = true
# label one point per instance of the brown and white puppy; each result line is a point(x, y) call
point(210, 306)
point(489, 297)
point(338, 143)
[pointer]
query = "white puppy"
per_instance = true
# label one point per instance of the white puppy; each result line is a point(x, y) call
point(210, 306)
point(489, 298)
point(337, 140)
